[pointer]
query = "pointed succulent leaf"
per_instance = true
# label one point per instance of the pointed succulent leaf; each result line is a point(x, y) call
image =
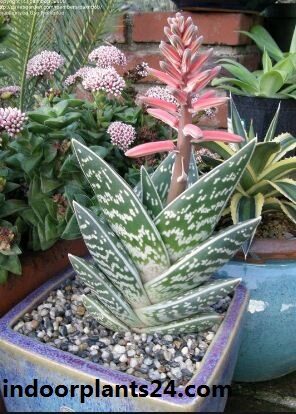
point(110, 256)
point(197, 323)
point(125, 214)
point(272, 127)
point(286, 187)
point(287, 143)
point(278, 169)
point(199, 265)
point(188, 304)
point(150, 197)
point(246, 208)
point(191, 218)
point(237, 124)
point(105, 318)
point(264, 151)
point(108, 294)
point(287, 208)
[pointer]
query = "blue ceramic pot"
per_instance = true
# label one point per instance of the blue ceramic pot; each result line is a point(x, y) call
point(268, 347)
point(23, 359)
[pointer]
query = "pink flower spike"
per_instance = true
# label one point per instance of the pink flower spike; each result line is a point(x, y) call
point(205, 103)
point(202, 79)
point(169, 80)
point(150, 148)
point(170, 53)
point(171, 70)
point(193, 130)
point(221, 136)
point(199, 60)
point(195, 45)
point(164, 116)
point(159, 103)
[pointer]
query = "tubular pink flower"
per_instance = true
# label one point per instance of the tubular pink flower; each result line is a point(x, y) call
point(122, 135)
point(163, 94)
point(150, 148)
point(159, 103)
point(201, 104)
point(164, 116)
point(107, 56)
point(46, 63)
point(198, 135)
point(104, 80)
point(12, 120)
point(164, 77)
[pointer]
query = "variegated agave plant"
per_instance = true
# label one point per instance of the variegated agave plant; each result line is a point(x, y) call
point(267, 184)
point(154, 248)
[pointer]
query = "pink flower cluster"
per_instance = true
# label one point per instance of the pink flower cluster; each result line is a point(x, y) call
point(46, 63)
point(13, 90)
point(12, 120)
point(122, 135)
point(72, 79)
point(107, 56)
point(103, 80)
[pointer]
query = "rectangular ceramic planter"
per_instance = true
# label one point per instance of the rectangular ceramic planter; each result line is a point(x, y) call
point(22, 359)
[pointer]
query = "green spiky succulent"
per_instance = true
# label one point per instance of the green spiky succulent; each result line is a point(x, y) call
point(152, 263)
point(267, 184)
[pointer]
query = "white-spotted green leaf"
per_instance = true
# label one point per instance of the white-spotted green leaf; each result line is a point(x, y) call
point(150, 197)
point(236, 123)
point(287, 143)
point(186, 305)
point(286, 187)
point(197, 323)
point(125, 214)
point(110, 256)
point(272, 127)
point(245, 208)
point(105, 318)
point(191, 218)
point(286, 207)
point(199, 265)
point(108, 294)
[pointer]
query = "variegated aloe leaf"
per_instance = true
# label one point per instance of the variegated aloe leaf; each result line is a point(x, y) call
point(286, 207)
point(196, 212)
point(287, 143)
point(278, 169)
point(197, 323)
point(264, 152)
point(186, 305)
point(150, 197)
point(236, 123)
point(245, 208)
point(110, 256)
point(125, 214)
point(193, 171)
point(109, 296)
point(105, 318)
point(286, 187)
point(272, 127)
point(199, 265)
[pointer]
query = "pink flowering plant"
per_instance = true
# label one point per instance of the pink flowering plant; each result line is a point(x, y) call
point(160, 236)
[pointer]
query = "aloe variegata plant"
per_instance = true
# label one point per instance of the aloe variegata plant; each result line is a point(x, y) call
point(154, 248)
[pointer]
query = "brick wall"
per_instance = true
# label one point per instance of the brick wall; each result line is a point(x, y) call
point(139, 34)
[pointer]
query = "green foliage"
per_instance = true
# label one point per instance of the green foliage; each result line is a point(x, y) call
point(278, 74)
point(151, 270)
point(82, 29)
point(267, 184)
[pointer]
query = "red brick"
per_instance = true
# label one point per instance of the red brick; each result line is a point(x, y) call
point(217, 28)
point(118, 36)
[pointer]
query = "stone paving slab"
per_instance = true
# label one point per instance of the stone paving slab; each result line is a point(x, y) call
point(271, 396)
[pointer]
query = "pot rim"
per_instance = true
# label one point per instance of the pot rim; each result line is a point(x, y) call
point(271, 249)
point(215, 357)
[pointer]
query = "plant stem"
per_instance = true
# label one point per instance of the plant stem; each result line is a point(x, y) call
point(181, 166)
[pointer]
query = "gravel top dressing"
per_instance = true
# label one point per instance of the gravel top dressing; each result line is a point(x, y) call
point(63, 322)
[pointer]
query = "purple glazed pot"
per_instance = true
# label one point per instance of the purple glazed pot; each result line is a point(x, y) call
point(22, 359)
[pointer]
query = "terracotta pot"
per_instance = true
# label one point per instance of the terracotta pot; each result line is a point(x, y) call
point(23, 358)
point(37, 268)
point(268, 345)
